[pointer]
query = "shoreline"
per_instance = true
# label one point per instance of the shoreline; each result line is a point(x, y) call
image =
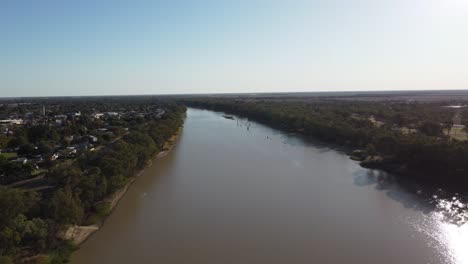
point(79, 234)
point(376, 162)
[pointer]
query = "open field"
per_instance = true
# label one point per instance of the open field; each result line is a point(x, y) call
point(457, 133)
point(9, 155)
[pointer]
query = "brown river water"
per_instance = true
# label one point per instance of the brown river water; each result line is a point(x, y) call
point(234, 191)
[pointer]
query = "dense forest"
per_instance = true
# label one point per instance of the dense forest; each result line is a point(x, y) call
point(410, 139)
point(32, 221)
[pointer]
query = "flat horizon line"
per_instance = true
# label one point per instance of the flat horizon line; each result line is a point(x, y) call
point(243, 93)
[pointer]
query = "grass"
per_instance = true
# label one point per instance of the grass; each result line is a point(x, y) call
point(457, 133)
point(405, 130)
point(9, 155)
point(37, 172)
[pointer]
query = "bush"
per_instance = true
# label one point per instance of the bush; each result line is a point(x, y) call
point(41, 259)
point(103, 209)
point(62, 253)
point(5, 260)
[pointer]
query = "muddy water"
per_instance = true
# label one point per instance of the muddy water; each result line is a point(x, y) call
point(234, 191)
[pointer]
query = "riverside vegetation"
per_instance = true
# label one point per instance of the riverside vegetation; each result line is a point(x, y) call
point(411, 139)
point(72, 190)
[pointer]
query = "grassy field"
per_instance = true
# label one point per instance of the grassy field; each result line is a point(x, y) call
point(37, 172)
point(457, 133)
point(9, 155)
point(405, 130)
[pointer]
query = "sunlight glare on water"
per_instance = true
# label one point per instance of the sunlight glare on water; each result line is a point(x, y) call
point(453, 217)
point(448, 227)
point(455, 239)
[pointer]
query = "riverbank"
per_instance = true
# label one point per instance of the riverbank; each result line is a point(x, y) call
point(202, 207)
point(426, 158)
point(79, 234)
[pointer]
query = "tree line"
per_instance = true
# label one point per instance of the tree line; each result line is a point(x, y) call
point(424, 153)
point(32, 221)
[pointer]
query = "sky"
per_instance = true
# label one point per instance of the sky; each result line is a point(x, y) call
point(114, 47)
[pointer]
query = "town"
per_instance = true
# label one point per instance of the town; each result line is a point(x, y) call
point(65, 162)
point(38, 135)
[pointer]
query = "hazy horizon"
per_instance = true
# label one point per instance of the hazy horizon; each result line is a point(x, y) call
point(53, 48)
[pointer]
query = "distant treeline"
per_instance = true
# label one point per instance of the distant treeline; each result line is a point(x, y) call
point(424, 153)
point(31, 222)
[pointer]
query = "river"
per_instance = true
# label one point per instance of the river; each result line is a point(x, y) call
point(234, 191)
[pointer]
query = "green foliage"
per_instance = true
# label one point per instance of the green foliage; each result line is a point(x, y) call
point(14, 202)
point(17, 141)
point(66, 175)
point(143, 146)
point(375, 127)
point(92, 187)
point(4, 140)
point(3, 160)
point(41, 259)
point(80, 185)
point(26, 149)
point(62, 253)
point(41, 132)
point(116, 182)
point(431, 128)
point(13, 224)
point(65, 208)
point(44, 149)
point(6, 260)
point(15, 171)
point(102, 209)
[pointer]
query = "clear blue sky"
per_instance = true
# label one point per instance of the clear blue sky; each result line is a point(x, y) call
point(99, 47)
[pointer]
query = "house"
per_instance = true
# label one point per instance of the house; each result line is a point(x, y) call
point(12, 121)
point(54, 156)
point(21, 160)
point(93, 139)
point(69, 152)
point(38, 159)
point(97, 115)
point(112, 114)
point(81, 146)
point(62, 117)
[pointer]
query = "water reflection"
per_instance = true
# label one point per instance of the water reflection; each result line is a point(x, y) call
point(455, 239)
point(445, 214)
point(228, 194)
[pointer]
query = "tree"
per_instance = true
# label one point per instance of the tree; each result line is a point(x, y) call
point(448, 124)
point(430, 128)
point(44, 149)
point(3, 140)
point(399, 120)
point(13, 204)
point(116, 182)
point(26, 149)
point(91, 188)
point(66, 175)
point(3, 161)
point(17, 141)
point(64, 208)
point(6, 260)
